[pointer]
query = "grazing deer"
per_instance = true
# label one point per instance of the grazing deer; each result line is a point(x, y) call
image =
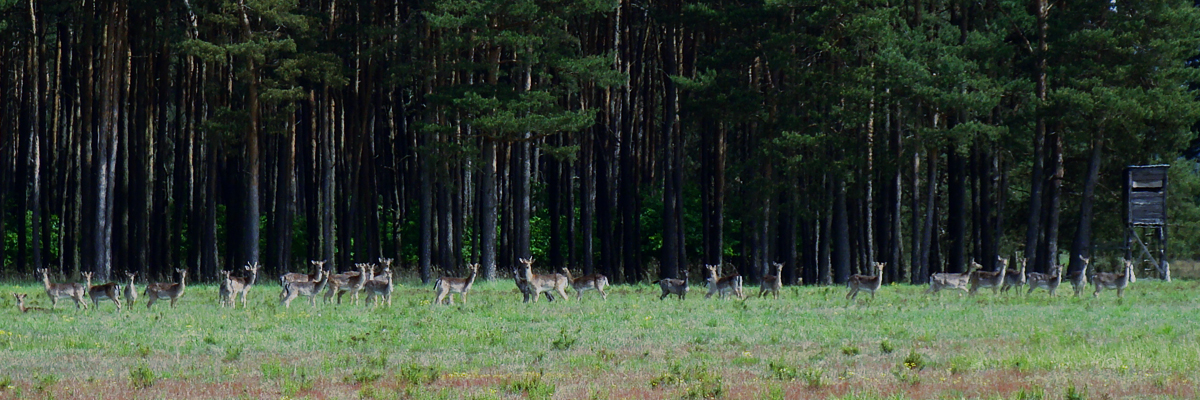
point(1049, 281)
point(772, 283)
point(1079, 278)
point(989, 279)
point(309, 289)
point(383, 287)
point(585, 283)
point(866, 283)
point(1014, 278)
point(21, 304)
point(950, 280)
point(130, 290)
point(543, 283)
point(239, 285)
point(677, 287)
point(166, 290)
point(1109, 280)
point(299, 277)
point(107, 291)
point(349, 282)
point(724, 285)
point(74, 291)
point(449, 286)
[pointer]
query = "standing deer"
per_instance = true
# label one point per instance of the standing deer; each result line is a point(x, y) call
point(543, 283)
point(523, 286)
point(677, 287)
point(866, 283)
point(382, 287)
point(585, 283)
point(1049, 281)
point(107, 291)
point(950, 280)
point(21, 304)
point(349, 282)
point(310, 289)
point(166, 290)
point(1109, 280)
point(449, 286)
point(1014, 278)
point(239, 285)
point(298, 277)
point(989, 279)
point(772, 283)
point(130, 290)
point(1079, 278)
point(74, 291)
point(724, 285)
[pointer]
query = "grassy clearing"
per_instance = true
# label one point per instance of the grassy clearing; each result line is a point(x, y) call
point(808, 344)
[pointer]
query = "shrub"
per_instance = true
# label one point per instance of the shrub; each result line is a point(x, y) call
point(782, 371)
point(914, 361)
point(233, 353)
point(850, 350)
point(886, 347)
point(141, 377)
point(814, 378)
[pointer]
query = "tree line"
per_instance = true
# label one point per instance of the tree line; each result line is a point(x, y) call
point(631, 138)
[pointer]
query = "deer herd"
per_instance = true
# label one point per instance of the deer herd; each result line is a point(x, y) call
point(379, 288)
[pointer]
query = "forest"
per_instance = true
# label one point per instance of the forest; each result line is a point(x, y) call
point(632, 138)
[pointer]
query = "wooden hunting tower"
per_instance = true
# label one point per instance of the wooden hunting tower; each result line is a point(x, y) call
point(1146, 214)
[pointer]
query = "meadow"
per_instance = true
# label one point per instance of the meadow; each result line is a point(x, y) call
point(810, 343)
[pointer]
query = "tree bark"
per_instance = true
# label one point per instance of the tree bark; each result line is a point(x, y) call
point(1081, 246)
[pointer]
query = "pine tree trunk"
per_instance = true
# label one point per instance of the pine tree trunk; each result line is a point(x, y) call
point(956, 217)
point(1080, 247)
point(487, 203)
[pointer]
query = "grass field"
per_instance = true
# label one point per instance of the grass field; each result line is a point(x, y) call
point(808, 344)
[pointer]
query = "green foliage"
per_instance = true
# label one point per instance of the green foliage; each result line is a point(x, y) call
point(886, 346)
point(141, 377)
point(783, 372)
point(532, 386)
point(565, 340)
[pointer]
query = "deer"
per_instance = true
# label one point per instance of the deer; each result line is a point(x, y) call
point(677, 287)
point(166, 290)
point(543, 283)
point(950, 280)
point(74, 291)
point(1014, 278)
point(523, 286)
point(236, 285)
point(349, 282)
point(988, 279)
point(866, 283)
point(383, 287)
point(772, 283)
point(386, 264)
point(21, 304)
point(723, 285)
point(309, 289)
point(1079, 278)
point(299, 277)
point(1050, 282)
point(107, 291)
point(585, 283)
point(449, 286)
point(130, 290)
point(223, 291)
point(1109, 280)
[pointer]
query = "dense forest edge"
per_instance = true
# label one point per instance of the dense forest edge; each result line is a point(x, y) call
point(631, 138)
